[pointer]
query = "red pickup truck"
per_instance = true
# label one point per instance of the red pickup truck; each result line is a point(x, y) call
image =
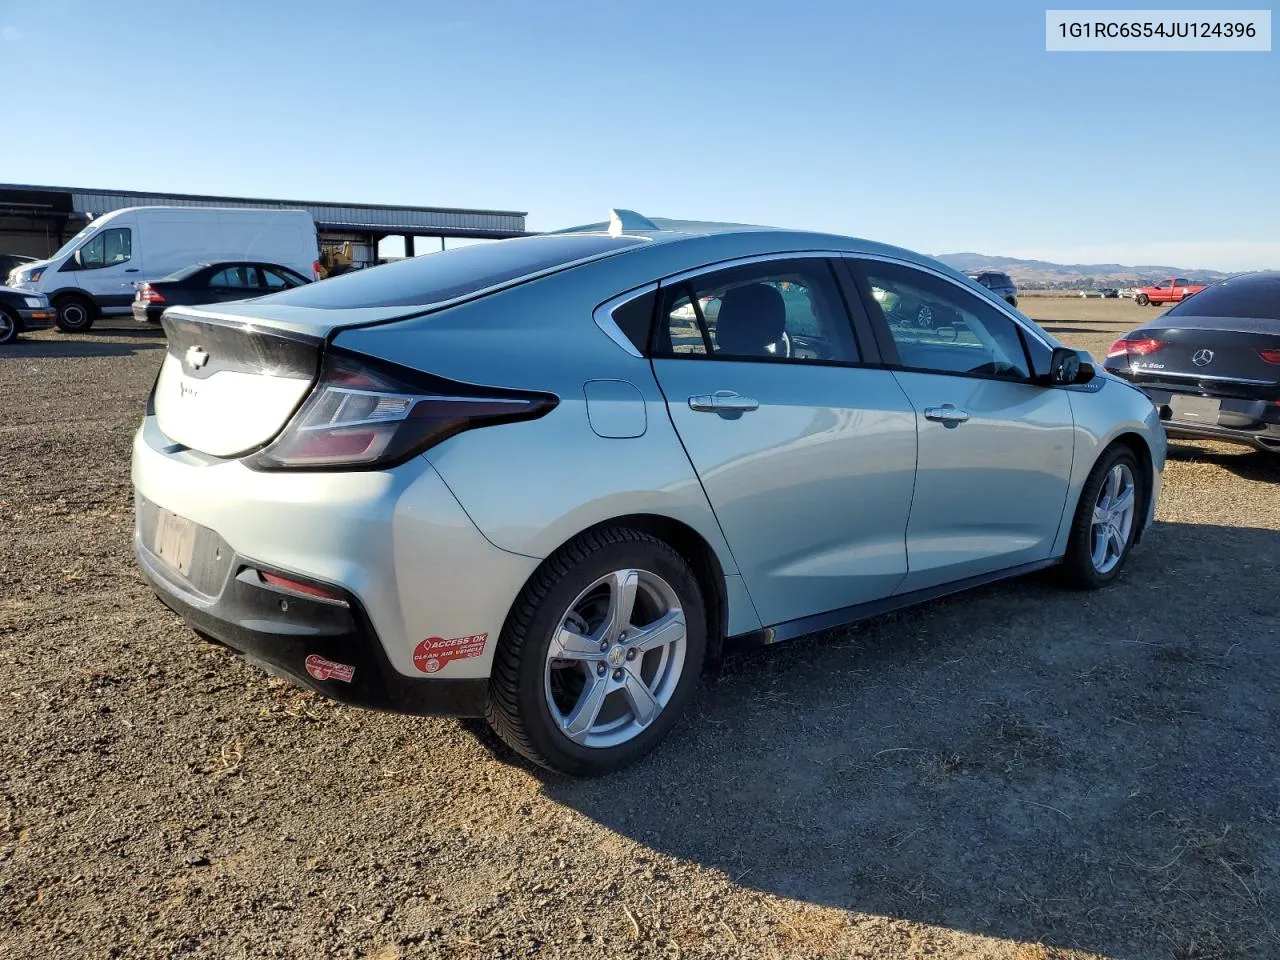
point(1174, 290)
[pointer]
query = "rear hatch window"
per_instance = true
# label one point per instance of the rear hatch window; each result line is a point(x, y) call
point(437, 277)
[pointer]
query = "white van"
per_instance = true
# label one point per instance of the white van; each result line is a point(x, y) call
point(94, 272)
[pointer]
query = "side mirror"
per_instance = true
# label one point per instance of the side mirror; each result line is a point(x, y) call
point(76, 259)
point(1067, 366)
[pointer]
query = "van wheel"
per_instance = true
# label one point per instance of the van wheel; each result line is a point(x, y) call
point(10, 325)
point(600, 653)
point(75, 314)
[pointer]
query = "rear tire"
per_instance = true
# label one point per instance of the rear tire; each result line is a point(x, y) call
point(1102, 537)
point(583, 714)
point(10, 325)
point(76, 314)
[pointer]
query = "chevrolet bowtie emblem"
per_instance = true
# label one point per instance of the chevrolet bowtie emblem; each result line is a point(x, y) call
point(197, 357)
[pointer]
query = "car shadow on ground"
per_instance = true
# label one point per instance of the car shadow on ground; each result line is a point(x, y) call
point(46, 344)
point(1087, 770)
point(1243, 462)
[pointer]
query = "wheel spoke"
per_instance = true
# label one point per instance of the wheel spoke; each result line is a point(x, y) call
point(569, 644)
point(669, 628)
point(622, 602)
point(1124, 502)
point(1100, 540)
point(1116, 540)
point(1113, 486)
point(579, 723)
point(641, 700)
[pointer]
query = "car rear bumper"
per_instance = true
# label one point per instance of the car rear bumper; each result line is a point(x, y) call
point(326, 646)
point(1254, 423)
point(396, 543)
point(147, 312)
point(1266, 439)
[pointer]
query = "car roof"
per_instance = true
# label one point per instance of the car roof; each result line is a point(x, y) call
point(746, 236)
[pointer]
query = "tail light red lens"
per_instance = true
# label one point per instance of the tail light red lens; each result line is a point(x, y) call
point(1135, 346)
point(150, 294)
point(368, 414)
point(1271, 356)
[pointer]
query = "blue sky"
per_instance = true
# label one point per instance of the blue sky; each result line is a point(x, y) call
point(939, 126)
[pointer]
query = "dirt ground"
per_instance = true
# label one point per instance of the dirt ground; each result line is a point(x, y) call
point(1020, 773)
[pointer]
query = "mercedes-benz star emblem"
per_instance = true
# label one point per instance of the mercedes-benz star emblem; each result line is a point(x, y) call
point(1202, 358)
point(197, 357)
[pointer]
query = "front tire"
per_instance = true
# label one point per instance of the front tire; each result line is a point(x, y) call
point(600, 654)
point(76, 314)
point(1142, 299)
point(10, 325)
point(1108, 517)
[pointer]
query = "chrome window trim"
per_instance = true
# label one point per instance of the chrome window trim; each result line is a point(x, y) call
point(746, 261)
point(993, 300)
point(603, 316)
point(1162, 374)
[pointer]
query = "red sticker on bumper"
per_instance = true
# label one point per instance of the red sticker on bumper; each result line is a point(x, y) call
point(433, 653)
point(323, 669)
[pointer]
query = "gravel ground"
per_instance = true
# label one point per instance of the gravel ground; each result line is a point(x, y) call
point(1021, 772)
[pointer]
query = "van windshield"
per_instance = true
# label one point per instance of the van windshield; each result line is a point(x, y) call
point(74, 242)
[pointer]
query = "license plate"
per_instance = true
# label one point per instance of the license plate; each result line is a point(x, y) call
point(175, 540)
point(1195, 409)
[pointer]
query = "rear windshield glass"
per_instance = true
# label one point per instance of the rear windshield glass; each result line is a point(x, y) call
point(184, 272)
point(451, 273)
point(1257, 297)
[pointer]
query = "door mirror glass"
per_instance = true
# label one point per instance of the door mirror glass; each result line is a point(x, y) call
point(1068, 366)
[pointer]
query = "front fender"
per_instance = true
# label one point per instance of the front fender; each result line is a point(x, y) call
point(1103, 416)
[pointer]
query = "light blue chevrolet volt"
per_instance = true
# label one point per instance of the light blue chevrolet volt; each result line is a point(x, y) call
point(545, 480)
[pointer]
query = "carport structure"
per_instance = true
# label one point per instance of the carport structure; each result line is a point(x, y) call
point(36, 220)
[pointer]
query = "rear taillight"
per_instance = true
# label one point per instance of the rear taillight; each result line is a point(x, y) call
point(366, 413)
point(1271, 356)
point(315, 270)
point(149, 294)
point(1136, 346)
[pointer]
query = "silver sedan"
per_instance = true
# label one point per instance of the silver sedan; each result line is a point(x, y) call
point(546, 480)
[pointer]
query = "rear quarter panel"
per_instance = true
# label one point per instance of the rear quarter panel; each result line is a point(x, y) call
point(531, 487)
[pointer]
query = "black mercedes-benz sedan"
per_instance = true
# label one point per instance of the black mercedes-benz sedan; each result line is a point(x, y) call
point(1211, 364)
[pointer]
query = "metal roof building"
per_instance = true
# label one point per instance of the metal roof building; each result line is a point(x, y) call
point(36, 220)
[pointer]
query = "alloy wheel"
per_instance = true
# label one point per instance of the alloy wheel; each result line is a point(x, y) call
point(615, 658)
point(1113, 514)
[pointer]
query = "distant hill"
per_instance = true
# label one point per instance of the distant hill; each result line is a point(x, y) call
point(1043, 274)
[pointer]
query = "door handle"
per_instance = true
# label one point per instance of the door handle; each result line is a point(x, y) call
point(947, 414)
point(131, 270)
point(723, 401)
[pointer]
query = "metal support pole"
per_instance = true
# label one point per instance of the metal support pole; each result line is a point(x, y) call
point(408, 245)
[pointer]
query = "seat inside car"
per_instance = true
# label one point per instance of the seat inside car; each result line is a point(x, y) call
point(751, 320)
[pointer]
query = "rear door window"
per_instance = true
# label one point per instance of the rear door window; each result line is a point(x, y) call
point(460, 272)
point(781, 310)
point(236, 278)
